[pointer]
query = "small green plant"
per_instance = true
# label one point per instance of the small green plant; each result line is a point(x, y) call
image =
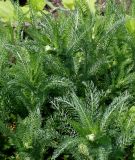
point(100, 132)
point(82, 62)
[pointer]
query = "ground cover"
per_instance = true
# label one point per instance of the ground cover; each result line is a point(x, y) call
point(67, 81)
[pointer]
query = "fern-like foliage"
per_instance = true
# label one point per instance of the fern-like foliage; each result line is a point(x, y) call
point(30, 140)
point(58, 56)
point(99, 130)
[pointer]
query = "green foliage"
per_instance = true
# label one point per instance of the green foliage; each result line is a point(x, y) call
point(37, 5)
point(67, 83)
point(14, 12)
point(100, 131)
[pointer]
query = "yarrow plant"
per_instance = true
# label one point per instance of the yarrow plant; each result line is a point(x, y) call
point(67, 78)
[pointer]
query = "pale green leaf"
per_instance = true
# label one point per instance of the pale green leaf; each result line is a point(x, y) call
point(37, 5)
point(69, 4)
point(130, 25)
point(7, 11)
point(91, 5)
